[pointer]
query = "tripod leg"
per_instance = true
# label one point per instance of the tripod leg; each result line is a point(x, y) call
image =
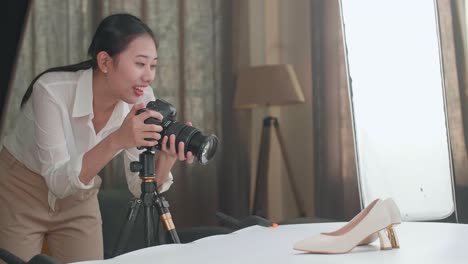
point(292, 180)
point(169, 225)
point(147, 197)
point(149, 226)
point(260, 206)
point(160, 231)
point(127, 228)
point(163, 209)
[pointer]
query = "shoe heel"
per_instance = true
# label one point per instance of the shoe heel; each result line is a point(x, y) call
point(385, 243)
point(392, 236)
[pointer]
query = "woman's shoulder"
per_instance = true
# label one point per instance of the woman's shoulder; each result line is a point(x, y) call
point(59, 85)
point(59, 77)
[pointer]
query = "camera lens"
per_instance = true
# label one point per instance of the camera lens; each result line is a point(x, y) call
point(203, 147)
point(208, 149)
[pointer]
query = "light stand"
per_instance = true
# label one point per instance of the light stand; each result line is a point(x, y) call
point(269, 85)
point(260, 194)
point(151, 199)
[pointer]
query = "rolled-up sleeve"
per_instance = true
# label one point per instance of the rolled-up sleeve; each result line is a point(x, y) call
point(59, 168)
point(133, 179)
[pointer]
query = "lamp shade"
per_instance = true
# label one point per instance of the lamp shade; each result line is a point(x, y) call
point(267, 85)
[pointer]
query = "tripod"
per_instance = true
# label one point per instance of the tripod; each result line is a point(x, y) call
point(150, 198)
point(260, 194)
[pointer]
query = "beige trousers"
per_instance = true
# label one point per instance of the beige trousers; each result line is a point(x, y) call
point(73, 230)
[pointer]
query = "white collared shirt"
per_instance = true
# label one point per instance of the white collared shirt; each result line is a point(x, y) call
point(54, 130)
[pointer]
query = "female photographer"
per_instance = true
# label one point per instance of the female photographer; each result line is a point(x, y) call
point(74, 120)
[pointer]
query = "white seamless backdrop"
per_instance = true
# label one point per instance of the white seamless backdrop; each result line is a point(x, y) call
point(398, 105)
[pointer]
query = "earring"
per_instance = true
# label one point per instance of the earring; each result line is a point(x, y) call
point(105, 71)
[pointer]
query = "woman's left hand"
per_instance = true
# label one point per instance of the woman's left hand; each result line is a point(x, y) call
point(171, 151)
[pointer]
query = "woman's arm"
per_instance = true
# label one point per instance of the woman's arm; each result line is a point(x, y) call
point(59, 167)
point(168, 156)
point(64, 172)
point(163, 165)
point(132, 133)
point(96, 158)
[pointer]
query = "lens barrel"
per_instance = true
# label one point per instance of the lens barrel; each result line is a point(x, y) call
point(202, 147)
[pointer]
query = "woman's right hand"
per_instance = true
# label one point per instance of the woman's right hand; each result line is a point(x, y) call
point(133, 131)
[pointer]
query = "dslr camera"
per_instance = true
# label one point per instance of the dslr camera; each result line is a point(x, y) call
point(203, 147)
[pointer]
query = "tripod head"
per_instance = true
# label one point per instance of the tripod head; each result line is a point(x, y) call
point(145, 165)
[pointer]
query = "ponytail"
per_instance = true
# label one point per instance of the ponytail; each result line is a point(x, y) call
point(69, 68)
point(113, 35)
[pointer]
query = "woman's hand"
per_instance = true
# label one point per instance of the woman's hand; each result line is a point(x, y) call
point(133, 131)
point(168, 156)
point(171, 151)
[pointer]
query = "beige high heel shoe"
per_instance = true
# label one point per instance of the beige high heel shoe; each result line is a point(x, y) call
point(395, 219)
point(374, 219)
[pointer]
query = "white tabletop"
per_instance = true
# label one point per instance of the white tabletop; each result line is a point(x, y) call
point(420, 243)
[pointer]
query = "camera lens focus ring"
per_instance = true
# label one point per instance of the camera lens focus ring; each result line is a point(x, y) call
point(174, 128)
point(186, 136)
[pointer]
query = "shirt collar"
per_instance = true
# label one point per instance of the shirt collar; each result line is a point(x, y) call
point(83, 104)
point(119, 113)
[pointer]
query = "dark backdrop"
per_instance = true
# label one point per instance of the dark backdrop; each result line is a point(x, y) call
point(14, 14)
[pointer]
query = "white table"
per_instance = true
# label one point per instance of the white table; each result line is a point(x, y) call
point(420, 243)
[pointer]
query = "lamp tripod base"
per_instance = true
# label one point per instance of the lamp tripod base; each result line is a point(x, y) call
point(260, 205)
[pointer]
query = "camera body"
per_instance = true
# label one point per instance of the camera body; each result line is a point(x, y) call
point(202, 147)
point(167, 110)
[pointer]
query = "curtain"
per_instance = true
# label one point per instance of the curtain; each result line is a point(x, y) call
point(234, 179)
point(337, 195)
point(336, 192)
point(452, 19)
point(190, 75)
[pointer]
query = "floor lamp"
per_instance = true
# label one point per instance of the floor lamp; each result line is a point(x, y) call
point(269, 85)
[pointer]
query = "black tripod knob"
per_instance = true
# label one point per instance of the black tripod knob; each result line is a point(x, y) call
point(135, 166)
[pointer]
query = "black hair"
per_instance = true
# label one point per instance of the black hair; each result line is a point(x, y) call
point(113, 35)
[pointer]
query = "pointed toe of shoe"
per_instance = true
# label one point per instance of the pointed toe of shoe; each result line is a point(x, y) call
point(320, 244)
point(310, 244)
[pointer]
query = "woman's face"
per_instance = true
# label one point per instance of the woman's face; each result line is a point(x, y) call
point(133, 70)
